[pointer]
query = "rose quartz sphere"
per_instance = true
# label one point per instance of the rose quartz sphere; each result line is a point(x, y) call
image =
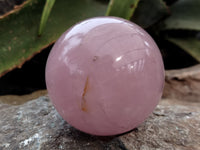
point(105, 75)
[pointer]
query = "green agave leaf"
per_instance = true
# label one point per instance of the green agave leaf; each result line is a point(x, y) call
point(45, 14)
point(149, 12)
point(185, 14)
point(18, 31)
point(122, 8)
point(190, 45)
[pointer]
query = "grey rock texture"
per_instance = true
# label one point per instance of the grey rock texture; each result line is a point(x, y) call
point(183, 84)
point(169, 128)
point(36, 125)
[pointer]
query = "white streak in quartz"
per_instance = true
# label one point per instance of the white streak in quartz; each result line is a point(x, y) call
point(73, 68)
point(140, 32)
point(141, 65)
point(146, 43)
point(118, 58)
point(72, 42)
point(130, 67)
point(128, 58)
point(147, 52)
point(135, 65)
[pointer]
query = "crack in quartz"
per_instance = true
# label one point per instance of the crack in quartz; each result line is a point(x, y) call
point(83, 102)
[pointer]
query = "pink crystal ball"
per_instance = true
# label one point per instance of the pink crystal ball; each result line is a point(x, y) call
point(105, 75)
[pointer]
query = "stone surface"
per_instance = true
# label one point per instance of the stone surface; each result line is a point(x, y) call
point(105, 75)
point(37, 125)
point(183, 84)
point(169, 128)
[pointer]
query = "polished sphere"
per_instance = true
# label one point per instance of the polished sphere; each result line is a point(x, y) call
point(105, 75)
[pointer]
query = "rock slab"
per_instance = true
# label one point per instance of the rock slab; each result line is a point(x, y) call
point(36, 125)
point(183, 84)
